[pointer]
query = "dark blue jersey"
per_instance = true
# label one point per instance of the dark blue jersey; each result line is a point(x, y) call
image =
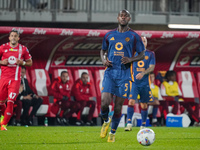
point(118, 45)
point(141, 66)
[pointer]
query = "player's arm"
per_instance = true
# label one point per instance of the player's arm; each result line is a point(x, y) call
point(4, 62)
point(27, 62)
point(147, 71)
point(126, 60)
point(104, 59)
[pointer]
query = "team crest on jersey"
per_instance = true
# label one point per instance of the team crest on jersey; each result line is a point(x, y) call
point(112, 39)
point(12, 60)
point(14, 50)
point(146, 57)
point(127, 39)
point(60, 87)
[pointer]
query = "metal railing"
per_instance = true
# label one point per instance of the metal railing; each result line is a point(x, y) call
point(154, 7)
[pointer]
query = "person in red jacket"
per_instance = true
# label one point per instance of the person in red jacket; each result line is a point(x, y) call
point(61, 92)
point(81, 91)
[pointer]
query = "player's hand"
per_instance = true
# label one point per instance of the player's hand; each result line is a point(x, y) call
point(4, 62)
point(29, 97)
point(91, 98)
point(19, 62)
point(107, 63)
point(139, 76)
point(21, 88)
point(125, 60)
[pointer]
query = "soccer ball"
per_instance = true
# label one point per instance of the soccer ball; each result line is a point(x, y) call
point(146, 136)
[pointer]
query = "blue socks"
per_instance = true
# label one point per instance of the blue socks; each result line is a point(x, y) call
point(104, 115)
point(155, 110)
point(115, 122)
point(130, 112)
point(144, 114)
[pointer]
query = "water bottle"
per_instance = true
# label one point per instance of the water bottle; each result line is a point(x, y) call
point(46, 121)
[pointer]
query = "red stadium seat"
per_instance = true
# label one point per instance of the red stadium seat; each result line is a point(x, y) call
point(198, 81)
point(188, 86)
point(77, 75)
point(41, 83)
point(98, 82)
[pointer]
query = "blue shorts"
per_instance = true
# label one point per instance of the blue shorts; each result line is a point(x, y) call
point(144, 92)
point(118, 87)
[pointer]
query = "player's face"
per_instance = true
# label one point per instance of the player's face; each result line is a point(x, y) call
point(84, 78)
point(144, 40)
point(13, 38)
point(152, 78)
point(64, 77)
point(123, 18)
point(173, 78)
point(23, 72)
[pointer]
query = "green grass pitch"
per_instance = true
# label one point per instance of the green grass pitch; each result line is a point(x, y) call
point(87, 138)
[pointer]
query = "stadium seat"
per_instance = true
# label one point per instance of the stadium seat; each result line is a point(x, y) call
point(98, 82)
point(188, 86)
point(77, 75)
point(40, 84)
point(40, 81)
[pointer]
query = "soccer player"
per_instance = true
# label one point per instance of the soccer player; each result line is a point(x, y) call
point(13, 55)
point(117, 53)
point(141, 86)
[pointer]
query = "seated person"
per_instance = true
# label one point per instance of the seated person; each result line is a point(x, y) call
point(61, 92)
point(157, 96)
point(170, 92)
point(81, 91)
point(28, 99)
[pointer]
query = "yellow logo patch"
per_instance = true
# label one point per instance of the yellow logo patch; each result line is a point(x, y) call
point(102, 88)
point(118, 46)
point(15, 50)
point(127, 39)
point(112, 39)
point(146, 57)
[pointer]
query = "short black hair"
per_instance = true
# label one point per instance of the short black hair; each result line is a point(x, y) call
point(84, 73)
point(152, 73)
point(22, 67)
point(63, 72)
point(169, 74)
point(14, 30)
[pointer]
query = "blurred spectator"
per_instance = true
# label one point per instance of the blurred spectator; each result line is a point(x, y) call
point(157, 96)
point(170, 92)
point(28, 98)
point(160, 6)
point(36, 4)
point(61, 92)
point(81, 91)
point(68, 5)
point(193, 6)
point(12, 5)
